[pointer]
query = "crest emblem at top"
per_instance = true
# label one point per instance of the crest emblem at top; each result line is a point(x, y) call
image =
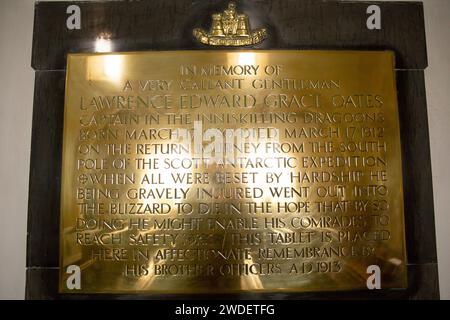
point(229, 28)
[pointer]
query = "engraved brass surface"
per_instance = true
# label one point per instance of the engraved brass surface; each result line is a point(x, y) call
point(229, 28)
point(228, 171)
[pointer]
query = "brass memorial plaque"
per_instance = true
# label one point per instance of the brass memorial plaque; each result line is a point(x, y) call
point(227, 171)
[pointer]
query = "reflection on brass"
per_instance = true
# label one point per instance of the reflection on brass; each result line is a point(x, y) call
point(227, 171)
point(230, 29)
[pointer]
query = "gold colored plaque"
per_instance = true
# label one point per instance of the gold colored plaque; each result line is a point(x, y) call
point(228, 171)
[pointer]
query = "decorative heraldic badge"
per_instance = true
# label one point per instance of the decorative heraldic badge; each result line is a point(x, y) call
point(230, 29)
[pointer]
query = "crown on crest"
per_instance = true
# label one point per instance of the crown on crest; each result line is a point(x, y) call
point(229, 28)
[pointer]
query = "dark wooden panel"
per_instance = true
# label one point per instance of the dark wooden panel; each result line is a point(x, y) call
point(417, 178)
point(293, 24)
point(168, 24)
point(424, 281)
point(42, 284)
point(45, 170)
